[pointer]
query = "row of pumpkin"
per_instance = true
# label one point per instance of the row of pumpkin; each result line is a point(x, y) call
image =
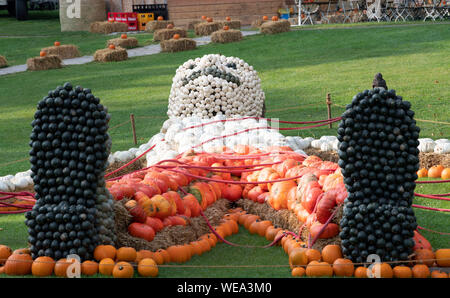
point(120, 263)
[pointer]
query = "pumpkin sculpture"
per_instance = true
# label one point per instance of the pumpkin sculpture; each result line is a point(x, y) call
point(69, 150)
point(236, 82)
point(378, 157)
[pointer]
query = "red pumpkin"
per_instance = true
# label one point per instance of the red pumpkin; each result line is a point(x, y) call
point(326, 203)
point(232, 192)
point(330, 231)
point(155, 223)
point(141, 231)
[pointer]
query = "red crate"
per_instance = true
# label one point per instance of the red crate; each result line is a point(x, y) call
point(111, 17)
point(132, 26)
point(131, 16)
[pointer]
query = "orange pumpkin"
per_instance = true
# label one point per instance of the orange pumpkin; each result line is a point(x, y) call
point(104, 251)
point(249, 220)
point(209, 20)
point(420, 271)
point(313, 255)
point(443, 257)
point(61, 267)
point(265, 18)
point(226, 28)
point(232, 192)
point(298, 257)
point(143, 254)
point(445, 174)
point(204, 18)
point(112, 47)
point(438, 274)
point(425, 256)
point(89, 268)
point(385, 270)
point(127, 254)
point(343, 267)
point(422, 173)
point(331, 253)
point(57, 43)
point(271, 233)
point(124, 36)
point(18, 264)
point(228, 19)
point(42, 266)
point(148, 267)
point(274, 18)
point(5, 252)
point(158, 258)
point(123, 270)
point(278, 194)
point(316, 268)
point(435, 171)
point(361, 272)
point(106, 266)
point(165, 254)
point(402, 272)
point(42, 53)
point(160, 18)
point(298, 271)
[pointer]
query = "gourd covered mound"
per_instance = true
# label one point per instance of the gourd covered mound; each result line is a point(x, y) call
point(378, 156)
point(69, 151)
point(215, 85)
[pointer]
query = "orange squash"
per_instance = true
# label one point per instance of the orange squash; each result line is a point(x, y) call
point(445, 174)
point(331, 253)
point(422, 173)
point(438, 274)
point(435, 171)
point(42, 266)
point(298, 257)
point(443, 257)
point(343, 267)
point(18, 264)
point(313, 255)
point(298, 271)
point(361, 272)
point(89, 268)
point(127, 254)
point(420, 271)
point(5, 252)
point(385, 270)
point(123, 270)
point(106, 266)
point(424, 256)
point(148, 267)
point(160, 18)
point(316, 268)
point(402, 272)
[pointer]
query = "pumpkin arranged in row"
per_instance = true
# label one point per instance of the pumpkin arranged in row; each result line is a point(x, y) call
point(437, 171)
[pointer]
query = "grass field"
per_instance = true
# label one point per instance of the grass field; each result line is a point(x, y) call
point(297, 69)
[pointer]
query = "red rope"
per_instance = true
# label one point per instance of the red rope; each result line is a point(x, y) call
point(261, 118)
point(266, 127)
point(434, 181)
point(432, 231)
point(434, 197)
point(430, 208)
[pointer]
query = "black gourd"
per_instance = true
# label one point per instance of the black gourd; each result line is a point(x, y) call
point(378, 155)
point(69, 150)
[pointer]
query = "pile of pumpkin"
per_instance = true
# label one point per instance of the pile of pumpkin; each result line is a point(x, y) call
point(437, 171)
point(330, 261)
point(118, 263)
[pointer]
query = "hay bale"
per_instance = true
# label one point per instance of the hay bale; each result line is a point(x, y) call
point(109, 55)
point(89, 11)
point(156, 25)
point(174, 235)
point(127, 43)
point(44, 63)
point(274, 27)
point(139, 164)
point(66, 51)
point(108, 27)
point(257, 23)
point(324, 155)
point(191, 24)
point(429, 159)
point(165, 34)
point(232, 24)
point(3, 61)
point(177, 45)
point(226, 36)
point(206, 28)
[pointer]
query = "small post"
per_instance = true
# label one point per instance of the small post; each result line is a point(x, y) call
point(133, 128)
point(329, 103)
